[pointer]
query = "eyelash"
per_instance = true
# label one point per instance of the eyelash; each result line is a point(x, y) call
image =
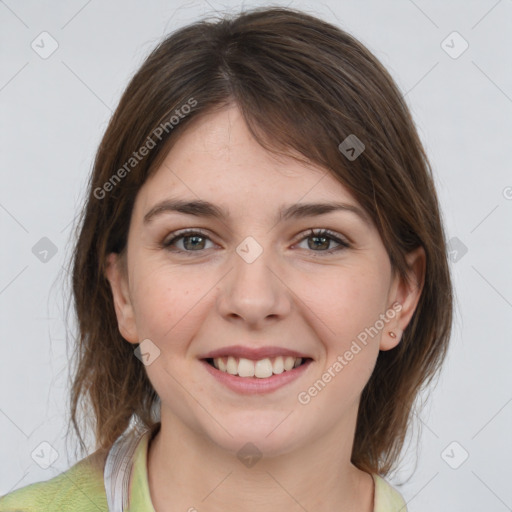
point(321, 233)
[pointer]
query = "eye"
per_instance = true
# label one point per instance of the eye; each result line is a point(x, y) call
point(193, 241)
point(321, 239)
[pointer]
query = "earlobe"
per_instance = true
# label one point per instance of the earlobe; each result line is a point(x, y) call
point(391, 336)
point(116, 276)
point(407, 294)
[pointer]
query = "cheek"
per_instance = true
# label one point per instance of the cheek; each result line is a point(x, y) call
point(167, 301)
point(351, 307)
point(352, 302)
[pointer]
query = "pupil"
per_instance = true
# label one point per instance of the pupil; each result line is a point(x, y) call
point(324, 239)
point(195, 238)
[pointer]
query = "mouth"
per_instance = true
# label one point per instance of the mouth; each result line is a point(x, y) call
point(265, 368)
point(255, 370)
point(256, 377)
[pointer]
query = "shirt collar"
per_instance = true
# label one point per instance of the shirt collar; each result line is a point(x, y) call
point(140, 498)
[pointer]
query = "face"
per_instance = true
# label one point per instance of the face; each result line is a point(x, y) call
point(256, 287)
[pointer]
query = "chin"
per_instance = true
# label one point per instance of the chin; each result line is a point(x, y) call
point(266, 433)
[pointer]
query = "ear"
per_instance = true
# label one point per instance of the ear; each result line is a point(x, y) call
point(405, 295)
point(117, 276)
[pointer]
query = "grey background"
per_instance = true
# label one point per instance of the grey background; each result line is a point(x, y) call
point(55, 110)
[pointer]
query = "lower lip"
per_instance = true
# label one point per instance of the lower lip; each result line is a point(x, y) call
point(254, 385)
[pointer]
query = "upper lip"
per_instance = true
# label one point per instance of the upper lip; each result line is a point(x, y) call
point(255, 354)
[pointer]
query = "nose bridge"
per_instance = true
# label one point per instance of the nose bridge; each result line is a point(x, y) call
point(252, 289)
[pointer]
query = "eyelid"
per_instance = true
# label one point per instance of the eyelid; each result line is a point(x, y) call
point(342, 241)
point(183, 233)
point(323, 232)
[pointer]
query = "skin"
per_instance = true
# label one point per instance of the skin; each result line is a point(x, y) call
point(293, 295)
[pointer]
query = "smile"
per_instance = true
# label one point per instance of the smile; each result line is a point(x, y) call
point(261, 369)
point(248, 377)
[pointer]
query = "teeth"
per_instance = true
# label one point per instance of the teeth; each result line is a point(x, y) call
point(222, 366)
point(232, 366)
point(245, 368)
point(289, 362)
point(261, 369)
point(278, 366)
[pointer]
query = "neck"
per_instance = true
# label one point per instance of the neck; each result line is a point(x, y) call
point(186, 471)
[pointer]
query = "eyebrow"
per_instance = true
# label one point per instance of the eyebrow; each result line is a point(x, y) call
point(200, 208)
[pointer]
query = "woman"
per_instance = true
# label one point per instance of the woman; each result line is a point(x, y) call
point(260, 279)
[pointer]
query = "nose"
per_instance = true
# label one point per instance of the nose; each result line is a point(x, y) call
point(254, 291)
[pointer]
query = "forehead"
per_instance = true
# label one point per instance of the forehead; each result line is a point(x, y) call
point(217, 159)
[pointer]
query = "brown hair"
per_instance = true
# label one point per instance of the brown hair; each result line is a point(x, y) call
point(302, 84)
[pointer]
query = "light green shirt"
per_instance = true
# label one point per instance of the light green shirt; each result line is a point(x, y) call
point(81, 489)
